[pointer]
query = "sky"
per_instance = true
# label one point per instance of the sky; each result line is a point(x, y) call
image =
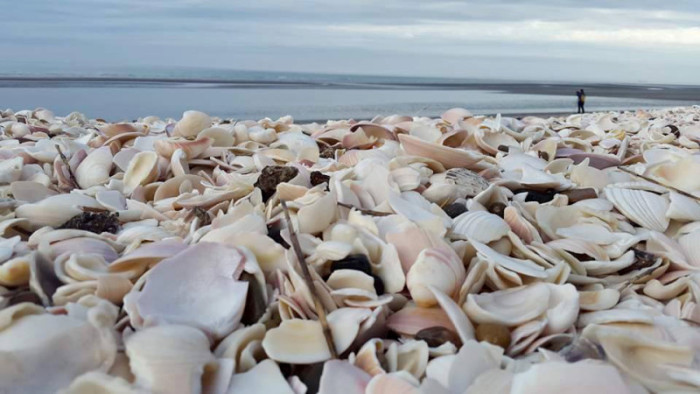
point(545, 40)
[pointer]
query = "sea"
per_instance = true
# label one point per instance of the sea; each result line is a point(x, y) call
point(307, 97)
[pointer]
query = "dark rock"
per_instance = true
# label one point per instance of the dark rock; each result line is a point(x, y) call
point(271, 176)
point(455, 209)
point(436, 336)
point(318, 178)
point(358, 262)
point(642, 260)
point(537, 195)
point(327, 152)
point(95, 222)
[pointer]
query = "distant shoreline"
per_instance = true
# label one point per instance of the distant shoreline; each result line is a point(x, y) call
point(648, 91)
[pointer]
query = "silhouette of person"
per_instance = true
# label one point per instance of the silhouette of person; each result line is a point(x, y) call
point(581, 101)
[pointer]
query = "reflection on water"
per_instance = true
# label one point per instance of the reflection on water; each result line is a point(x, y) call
point(119, 103)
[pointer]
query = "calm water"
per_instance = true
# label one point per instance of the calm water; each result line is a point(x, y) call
point(305, 97)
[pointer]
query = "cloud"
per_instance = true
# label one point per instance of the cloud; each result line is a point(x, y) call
point(361, 36)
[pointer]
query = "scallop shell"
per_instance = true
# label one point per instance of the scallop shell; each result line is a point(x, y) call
point(481, 226)
point(644, 208)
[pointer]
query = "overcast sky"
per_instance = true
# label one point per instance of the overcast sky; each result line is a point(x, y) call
point(594, 40)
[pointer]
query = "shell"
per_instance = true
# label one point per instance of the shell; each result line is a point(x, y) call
point(683, 208)
point(55, 210)
point(297, 341)
point(11, 170)
point(449, 157)
point(440, 268)
point(481, 226)
point(265, 377)
point(510, 307)
point(169, 358)
point(95, 168)
point(191, 123)
point(644, 208)
point(158, 303)
point(581, 377)
point(219, 136)
point(191, 149)
point(143, 169)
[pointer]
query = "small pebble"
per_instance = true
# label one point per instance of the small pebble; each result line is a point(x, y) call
point(455, 209)
point(437, 335)
point(497, 208)
point(271, 176)
point(494, 334)
point(318, 178)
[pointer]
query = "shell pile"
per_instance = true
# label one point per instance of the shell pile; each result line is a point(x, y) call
point(463, 254)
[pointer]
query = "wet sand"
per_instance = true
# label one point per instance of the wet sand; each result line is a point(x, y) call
point(647, 91)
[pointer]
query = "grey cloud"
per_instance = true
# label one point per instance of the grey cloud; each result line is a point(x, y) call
point(633, 40)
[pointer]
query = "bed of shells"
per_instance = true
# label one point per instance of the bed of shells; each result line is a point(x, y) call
point(458, 254)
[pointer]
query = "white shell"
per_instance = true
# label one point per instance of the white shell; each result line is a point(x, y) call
point(644, 208)
point(683, 208)
point(192, 123)
point(297, 341)
point(169, 358)
point(142, 169)
point(479, 225)
point(510, 307)
point(95, 168)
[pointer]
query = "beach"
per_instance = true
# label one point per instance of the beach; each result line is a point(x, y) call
point(392, 252)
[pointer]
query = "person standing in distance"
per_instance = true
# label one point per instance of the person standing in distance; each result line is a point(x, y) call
point(581, 101)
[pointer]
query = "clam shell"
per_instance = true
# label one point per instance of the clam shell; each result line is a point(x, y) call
point(198, 287)
point(449, 157)
point(683, 208)
point(440, 268)
point(191, 149)
point(169, 358)
point(510, 307)
point(142, 169)
point(265, 377)
point(297, 341)
point(582, 377)
point(191, 123)
point(95, 168)
point(55, 210)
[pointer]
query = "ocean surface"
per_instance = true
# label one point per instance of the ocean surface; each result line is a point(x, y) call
point(308, 97)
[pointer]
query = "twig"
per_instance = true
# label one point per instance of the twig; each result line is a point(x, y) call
point(365, 211)
point(65, 162)
point(309, 282)
point(627, 170)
